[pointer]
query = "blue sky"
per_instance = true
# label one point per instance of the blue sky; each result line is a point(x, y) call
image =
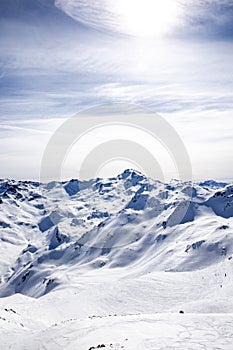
point(59, 57)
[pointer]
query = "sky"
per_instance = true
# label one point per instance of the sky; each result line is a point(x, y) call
point(59, 58)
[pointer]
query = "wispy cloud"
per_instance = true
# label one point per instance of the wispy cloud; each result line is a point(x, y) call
point(205, 18)
point(209, 18)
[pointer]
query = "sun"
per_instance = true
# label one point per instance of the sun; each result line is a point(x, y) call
point(146, 17)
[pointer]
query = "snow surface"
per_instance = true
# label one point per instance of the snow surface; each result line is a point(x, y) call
point(119, 263)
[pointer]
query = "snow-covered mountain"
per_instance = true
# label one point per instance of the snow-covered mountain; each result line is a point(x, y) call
point(125, 246)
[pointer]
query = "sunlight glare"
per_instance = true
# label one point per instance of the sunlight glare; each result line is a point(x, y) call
point(147, 17)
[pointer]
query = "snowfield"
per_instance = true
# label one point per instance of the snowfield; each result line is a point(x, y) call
point(120, 263)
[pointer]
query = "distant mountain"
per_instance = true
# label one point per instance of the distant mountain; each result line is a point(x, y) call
point(212, 183)
point(121, 222)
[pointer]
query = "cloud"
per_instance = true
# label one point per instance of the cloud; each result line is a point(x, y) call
point(208, 138)
point(208, 19)
point(202, 18)
point(22, 144)
point(207, 135)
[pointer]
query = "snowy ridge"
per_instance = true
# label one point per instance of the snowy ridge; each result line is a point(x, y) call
point(126, 252)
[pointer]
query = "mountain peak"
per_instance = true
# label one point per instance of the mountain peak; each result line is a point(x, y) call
point(131, 173)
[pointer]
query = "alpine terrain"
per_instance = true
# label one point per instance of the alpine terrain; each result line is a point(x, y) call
point(120, 263)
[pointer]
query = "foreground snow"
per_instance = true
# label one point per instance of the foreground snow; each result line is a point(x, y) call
point(125, 312)
point(122, 263)
point(135, 332)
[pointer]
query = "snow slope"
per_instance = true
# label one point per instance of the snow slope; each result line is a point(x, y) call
point(112, 262)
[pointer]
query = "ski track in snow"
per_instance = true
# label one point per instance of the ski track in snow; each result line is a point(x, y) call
point(159, 331)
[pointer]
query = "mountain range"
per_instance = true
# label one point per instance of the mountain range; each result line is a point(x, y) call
point(127, 250)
